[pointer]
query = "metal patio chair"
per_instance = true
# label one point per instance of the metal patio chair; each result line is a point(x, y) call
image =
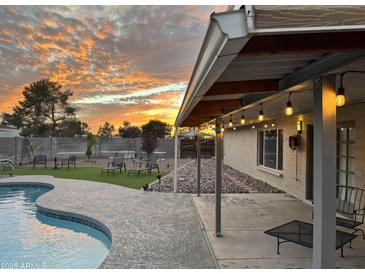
point(70, 161)
point(40, 159)
point(118, 162)
point(351, 204)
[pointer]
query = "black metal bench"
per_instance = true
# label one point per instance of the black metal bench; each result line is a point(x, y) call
point(301, 233)
point(40, 160)
point(351, 204)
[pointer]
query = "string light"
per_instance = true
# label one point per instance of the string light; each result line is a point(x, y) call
point(261, 114)
point(243, 121)
point(289, 107)
point(340, 98)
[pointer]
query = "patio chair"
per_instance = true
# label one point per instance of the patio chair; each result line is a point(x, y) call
point(351, 204)
point(7, 162)
point(70, 161)
point(145, 165)
point(138, 167)
point(118, 162)
point(40, 159)
point(152, 163)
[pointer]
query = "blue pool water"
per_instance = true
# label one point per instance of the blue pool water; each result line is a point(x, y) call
point(29, 239)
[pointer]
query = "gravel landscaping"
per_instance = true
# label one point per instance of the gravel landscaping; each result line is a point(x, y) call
point(233, 181)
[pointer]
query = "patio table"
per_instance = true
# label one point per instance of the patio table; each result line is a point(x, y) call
point(301, 233)
point(107, 169)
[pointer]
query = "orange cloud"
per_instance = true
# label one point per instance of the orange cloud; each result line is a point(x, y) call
point(99, 51)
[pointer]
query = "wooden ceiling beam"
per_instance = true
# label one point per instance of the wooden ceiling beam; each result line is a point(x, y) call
point(304, 43)
point(239, 87)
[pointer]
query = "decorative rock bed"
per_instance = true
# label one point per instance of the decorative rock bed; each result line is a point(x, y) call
point(233, 181)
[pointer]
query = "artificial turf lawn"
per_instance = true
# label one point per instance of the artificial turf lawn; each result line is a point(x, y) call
point(93, 174)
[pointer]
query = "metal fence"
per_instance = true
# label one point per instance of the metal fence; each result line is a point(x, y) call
point(56, 146)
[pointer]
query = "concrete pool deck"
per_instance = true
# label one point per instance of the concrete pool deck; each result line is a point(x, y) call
point(245, 217)
point(148, 229)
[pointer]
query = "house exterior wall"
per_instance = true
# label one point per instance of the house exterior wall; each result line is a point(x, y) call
point(240, 150)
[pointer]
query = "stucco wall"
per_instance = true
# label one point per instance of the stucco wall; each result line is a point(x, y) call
point(240, 150)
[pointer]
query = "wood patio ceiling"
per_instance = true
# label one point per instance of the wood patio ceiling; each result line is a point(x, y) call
point(262, 63)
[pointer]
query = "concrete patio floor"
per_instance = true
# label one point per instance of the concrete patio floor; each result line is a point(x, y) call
point(148, 229)
point(245, 217)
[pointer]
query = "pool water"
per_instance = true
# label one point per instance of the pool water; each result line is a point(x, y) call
point(29, 239)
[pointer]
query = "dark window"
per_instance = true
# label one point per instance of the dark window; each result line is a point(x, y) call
point(346, 156)
point(270, 148)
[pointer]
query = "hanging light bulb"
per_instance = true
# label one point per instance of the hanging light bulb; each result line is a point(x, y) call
point(230, 122)
point(243, 121)
point(261, 115)
point(253, 127)
point(340, 98)
point(289, 107)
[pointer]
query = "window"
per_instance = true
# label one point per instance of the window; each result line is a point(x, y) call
point(346, 156)
point(270, 148)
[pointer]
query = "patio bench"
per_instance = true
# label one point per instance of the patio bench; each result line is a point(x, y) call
point(301, 233)
point(351, 204)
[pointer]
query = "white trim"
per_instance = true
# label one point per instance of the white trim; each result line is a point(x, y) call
point(276, 170)
point(272, 171)
point(299, 30)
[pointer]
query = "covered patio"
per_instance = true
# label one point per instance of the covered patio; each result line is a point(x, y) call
point(244, 244)
point(254, 61)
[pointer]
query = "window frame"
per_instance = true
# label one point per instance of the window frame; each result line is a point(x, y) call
point(261, 150)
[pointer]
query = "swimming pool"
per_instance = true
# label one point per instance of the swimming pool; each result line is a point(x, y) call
point(29, 239)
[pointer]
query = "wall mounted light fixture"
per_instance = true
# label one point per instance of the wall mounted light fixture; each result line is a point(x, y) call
point(299, 127)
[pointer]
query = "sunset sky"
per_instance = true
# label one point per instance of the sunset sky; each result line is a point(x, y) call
point(122, 62)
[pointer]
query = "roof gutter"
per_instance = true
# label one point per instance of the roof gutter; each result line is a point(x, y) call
point(227, 33)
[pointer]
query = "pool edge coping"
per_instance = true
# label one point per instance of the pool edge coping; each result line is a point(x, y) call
point(68, 215)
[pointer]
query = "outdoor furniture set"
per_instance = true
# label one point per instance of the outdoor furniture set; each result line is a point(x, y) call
point(41, 159)
point(350, 204)
point(119, 163)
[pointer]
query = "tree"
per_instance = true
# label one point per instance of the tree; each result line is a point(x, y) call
point(128, 131)
point(106, 130)
point(151, 131)
point(91, 141)
point(43, 111)
point(157, 128)
point(72, 127)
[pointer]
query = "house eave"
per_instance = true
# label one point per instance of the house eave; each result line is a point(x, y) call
point(226, 35)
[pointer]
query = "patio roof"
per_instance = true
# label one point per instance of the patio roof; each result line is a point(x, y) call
point(257, 51)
